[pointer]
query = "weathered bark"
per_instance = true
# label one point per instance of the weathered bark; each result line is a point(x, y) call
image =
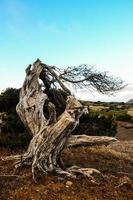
point(85, 140)
point(50, 134)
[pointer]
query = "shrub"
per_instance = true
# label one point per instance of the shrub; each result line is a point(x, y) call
point(123, 117)
point(9, 99)
point(97, 123)
point(20, 140)
point(119, 114)
point(13, 123)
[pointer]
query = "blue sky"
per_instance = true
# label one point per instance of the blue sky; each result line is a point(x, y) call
point(67, 32)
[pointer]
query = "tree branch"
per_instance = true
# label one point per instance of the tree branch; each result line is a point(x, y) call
point(52, 72)
point(101, 81)
point(85, 140)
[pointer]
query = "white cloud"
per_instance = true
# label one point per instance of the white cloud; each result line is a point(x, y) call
point(123, 95)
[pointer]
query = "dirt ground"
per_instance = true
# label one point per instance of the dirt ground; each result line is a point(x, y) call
point(114, 161)
point(124, 131)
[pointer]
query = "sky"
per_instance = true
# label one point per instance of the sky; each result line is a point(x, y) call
point(66, 33)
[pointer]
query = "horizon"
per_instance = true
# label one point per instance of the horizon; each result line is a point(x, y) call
point(68, 33)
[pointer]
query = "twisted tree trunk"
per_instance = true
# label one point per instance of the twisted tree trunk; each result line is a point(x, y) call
point(50, 134)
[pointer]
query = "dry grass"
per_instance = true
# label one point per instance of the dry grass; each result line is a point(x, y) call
point(125, 148)
point(114, 161)
point(98, 108)
point(130, 112)
point(124, 133)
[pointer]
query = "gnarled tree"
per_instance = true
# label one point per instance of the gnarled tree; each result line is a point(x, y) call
point(51, 130)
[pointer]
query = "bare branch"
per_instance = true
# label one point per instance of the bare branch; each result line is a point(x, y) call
point(53, 74)
point(101, 81)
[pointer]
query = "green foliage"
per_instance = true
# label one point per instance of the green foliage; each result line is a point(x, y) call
point(97, 123)
point(121, 116)
point(14, 124)
point(14, 134)
point(8, 100)
point(13, 141)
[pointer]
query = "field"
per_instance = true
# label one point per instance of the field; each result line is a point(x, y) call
point(114, 161)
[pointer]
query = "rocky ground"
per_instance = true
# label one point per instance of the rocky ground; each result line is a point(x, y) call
point(115, 162)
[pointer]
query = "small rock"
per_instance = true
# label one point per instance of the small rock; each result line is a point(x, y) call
point(69, 183)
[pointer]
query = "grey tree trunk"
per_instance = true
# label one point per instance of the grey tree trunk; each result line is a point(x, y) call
point(50, 134)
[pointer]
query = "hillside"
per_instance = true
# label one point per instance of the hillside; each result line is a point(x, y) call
point(130, 101)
